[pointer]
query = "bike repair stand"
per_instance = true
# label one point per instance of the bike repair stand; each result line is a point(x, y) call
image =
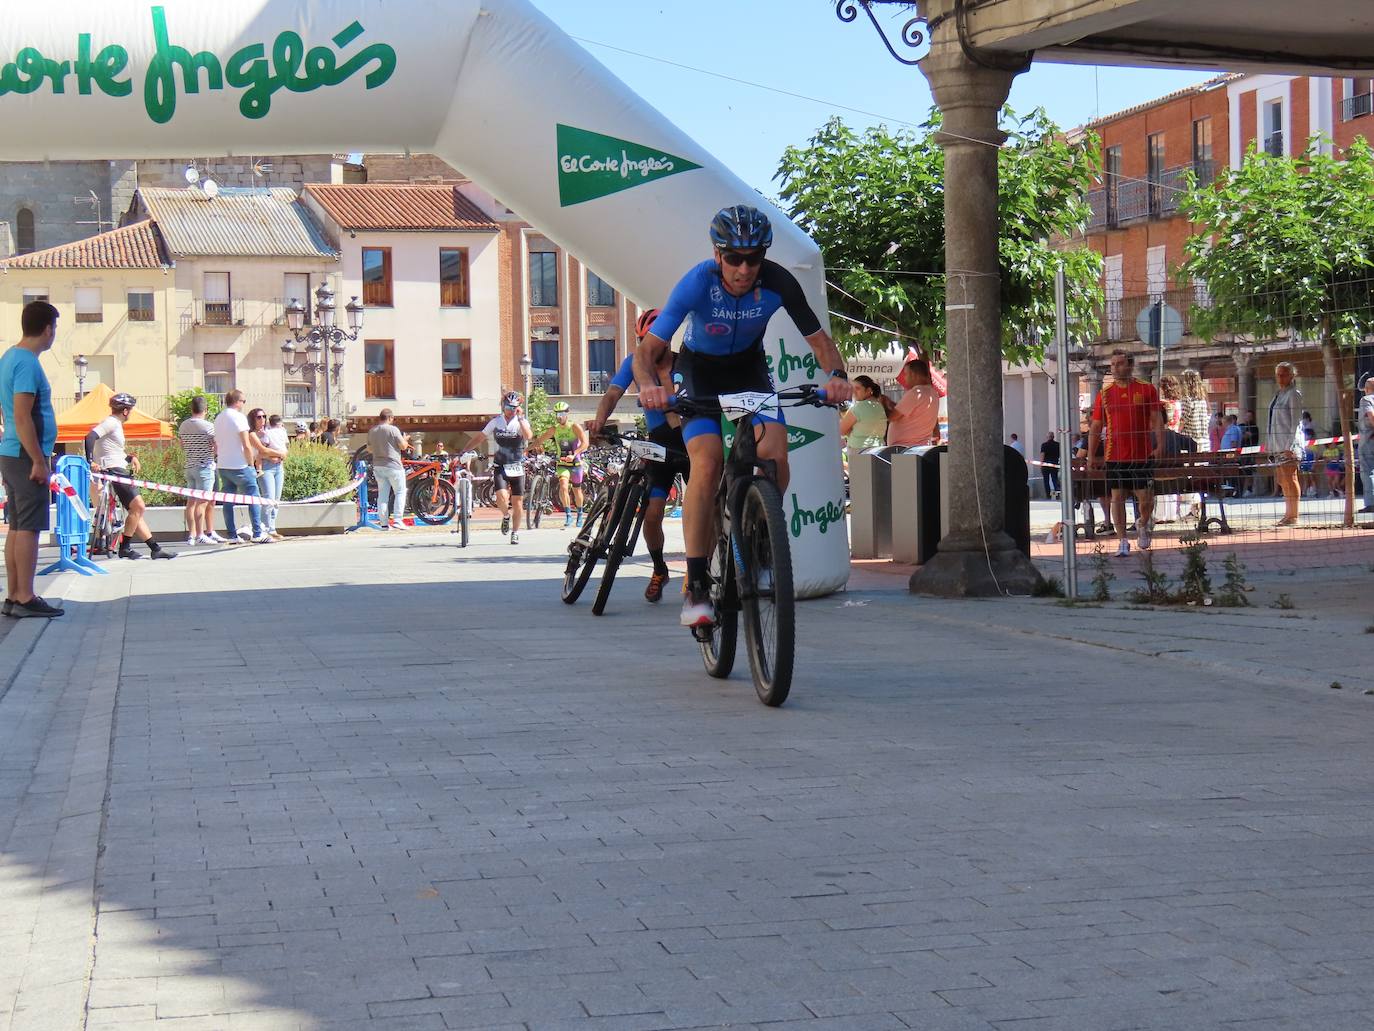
point(365, 517)
point(74, 532)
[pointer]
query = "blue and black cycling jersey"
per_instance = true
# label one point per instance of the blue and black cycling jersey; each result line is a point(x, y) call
point(624, 378)
point(720, 324)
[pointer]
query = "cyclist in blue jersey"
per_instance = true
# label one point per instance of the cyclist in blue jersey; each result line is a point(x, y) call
point(663, 429)
point(726, 303)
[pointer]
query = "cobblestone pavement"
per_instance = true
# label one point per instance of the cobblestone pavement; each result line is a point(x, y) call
point(381, 783)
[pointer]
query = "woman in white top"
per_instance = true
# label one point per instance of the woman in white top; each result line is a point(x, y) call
point(1283, 439)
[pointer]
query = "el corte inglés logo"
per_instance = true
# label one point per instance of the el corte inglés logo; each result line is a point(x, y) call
point(591, 165)
point(259, 75)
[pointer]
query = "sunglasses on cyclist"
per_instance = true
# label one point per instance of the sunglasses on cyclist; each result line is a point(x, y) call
point(737, 258)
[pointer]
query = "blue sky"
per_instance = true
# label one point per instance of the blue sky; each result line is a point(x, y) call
point(799, 46)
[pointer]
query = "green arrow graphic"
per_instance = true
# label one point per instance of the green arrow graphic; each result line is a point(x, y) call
point(797, 436)
point(591, 165)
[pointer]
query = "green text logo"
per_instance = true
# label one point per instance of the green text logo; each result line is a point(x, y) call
point(591, 165)
point(822, 518)
point(790, 363)
point(290, 66)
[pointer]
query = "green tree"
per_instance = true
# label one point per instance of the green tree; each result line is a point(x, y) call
point(874, 203)
point(539, 411)
point(1286, 245)
point(179, 404)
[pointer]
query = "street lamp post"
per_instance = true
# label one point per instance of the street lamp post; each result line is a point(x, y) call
point(323, 333)
point(525, 366)
point(81, 364)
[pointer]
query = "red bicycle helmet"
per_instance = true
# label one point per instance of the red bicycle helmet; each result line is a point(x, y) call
point(645, 322)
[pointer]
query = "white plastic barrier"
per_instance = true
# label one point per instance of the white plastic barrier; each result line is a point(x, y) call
point(493, 87)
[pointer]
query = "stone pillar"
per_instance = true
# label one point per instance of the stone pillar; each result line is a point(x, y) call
point(1245, 383)
point(1331, 391)
point(976, 558)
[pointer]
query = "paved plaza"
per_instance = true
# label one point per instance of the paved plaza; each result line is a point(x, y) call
point(380, 782)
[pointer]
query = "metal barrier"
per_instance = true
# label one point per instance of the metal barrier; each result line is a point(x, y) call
point(73, 523)
point(870, 497)
point(365, 517)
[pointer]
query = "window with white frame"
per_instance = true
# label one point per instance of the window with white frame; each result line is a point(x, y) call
point(296, 287)
point(35, 293)
point(88, 304)
point(218, 370)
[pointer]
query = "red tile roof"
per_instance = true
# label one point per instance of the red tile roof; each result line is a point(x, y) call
point(135, 246)
point(400, 207)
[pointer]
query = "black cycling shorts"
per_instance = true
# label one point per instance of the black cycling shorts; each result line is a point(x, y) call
point(125, 492)
point(661, 474)
point(500, 481)
point(709, 376)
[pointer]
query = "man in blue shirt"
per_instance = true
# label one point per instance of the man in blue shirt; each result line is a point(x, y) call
point(1231, 436)
point(30, 435)
point(726, 303)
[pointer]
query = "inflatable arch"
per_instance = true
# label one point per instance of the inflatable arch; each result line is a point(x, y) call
point(491, 86)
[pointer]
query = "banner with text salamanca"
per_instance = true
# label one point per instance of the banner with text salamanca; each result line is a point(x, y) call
point(493, 87)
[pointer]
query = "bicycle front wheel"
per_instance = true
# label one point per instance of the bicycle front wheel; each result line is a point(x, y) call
point(765, 586)
point(630, 511)
point(583, 553)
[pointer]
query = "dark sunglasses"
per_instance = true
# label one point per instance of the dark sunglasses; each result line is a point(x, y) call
point(737, 258)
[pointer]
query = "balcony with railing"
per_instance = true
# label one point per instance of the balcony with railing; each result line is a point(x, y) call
point(1357, 106)
point(1118, 317)
point(379, 385)
point(1273, 144)
point(457, 384)
point(1131, 200)
point(219, 313)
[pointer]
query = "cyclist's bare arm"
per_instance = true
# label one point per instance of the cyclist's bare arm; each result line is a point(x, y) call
point(649, 357)
point(828, 357)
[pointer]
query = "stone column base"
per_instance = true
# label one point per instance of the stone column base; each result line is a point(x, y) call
point(973, 573)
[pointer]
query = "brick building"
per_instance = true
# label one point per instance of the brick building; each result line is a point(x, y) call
point(1147, 152)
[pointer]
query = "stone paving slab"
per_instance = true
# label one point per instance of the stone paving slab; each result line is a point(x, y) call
point(385, 783)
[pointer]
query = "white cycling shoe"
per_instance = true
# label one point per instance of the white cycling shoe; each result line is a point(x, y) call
point(697, 610)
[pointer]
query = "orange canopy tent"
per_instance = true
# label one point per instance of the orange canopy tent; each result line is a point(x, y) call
point(80, 419)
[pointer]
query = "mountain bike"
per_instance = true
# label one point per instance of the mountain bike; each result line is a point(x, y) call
point(751, 562)
point(611, 526)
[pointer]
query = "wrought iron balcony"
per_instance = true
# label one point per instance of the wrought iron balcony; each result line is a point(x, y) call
point(1118, 317)
point(1357, 106)
point(1130, 200)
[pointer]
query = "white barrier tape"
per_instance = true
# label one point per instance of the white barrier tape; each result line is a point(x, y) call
point(224, 496)
point(63, 486)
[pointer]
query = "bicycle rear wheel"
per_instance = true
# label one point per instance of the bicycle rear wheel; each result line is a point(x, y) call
point(433, 501)
point(719, 639)
point(629, 513)
point(765, 587)
point(583, 553)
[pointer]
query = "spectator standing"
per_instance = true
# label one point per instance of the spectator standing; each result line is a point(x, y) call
point(1049, 465)
point(30, 435)
point(1216, 430)
point(864, 426)
point(1365, 438)
point(1014, 442)
point(314, 433)
point(1194, 423)
point(1231, 436)
point(1283, 439)
point(1129, 413)
point(330, 435)
point(273, 464)
point(234, 447)
point(915, 419)
point(197, 436)
point(387, 442)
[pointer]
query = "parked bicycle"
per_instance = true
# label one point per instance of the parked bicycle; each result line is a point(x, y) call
point(751, 562)
point(611, 526)
point(430, 495)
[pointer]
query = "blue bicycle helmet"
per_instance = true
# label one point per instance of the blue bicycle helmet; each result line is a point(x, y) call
point(741, 228)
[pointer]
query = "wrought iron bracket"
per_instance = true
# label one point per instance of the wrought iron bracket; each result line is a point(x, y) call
point(915, 33)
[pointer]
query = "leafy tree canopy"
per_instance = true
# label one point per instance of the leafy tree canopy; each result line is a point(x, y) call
point(1286, 244)
point(874, 203)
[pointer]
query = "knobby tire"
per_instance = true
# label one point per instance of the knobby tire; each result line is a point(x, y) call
point(770, 617)
point(629, 512)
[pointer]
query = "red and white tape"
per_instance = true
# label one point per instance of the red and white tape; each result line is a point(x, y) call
point(225, 496)
point(63, 486)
